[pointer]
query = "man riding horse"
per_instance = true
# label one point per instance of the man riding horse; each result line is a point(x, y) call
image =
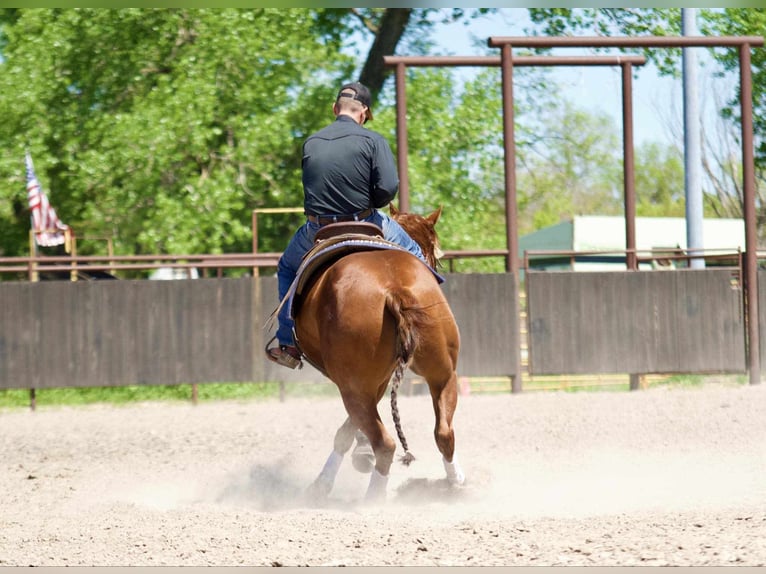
point(349, 173)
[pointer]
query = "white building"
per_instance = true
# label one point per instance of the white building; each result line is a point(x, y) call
point(606, 235)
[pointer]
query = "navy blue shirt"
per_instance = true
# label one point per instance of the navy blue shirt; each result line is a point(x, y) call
point(346, 169)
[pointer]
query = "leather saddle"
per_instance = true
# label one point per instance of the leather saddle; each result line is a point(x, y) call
point(351, 227)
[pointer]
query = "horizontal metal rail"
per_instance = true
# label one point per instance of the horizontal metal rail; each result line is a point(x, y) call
point(63, 263)
point(623, 41)
point(48, 263)
point(521, 61)
point(642, 255)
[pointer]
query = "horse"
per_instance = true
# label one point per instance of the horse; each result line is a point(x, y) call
point(366, 318)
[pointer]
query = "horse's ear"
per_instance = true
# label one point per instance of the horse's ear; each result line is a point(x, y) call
point(393, 210)
point(434, 217)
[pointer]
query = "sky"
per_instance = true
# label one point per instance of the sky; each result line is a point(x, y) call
point(657, 101)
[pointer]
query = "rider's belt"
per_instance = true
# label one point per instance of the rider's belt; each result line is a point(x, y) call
point(327, 219)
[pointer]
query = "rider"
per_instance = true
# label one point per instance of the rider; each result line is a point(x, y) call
point(348, 173)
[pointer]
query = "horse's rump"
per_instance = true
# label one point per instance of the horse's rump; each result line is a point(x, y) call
point(380, 304)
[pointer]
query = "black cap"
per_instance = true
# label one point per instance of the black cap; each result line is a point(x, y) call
point(361, 94)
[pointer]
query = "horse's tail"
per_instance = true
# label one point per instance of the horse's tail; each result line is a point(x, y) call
point(406, 339)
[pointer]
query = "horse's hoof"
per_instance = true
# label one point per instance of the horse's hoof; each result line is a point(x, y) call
point(456, 480)
point(318, 490)
point(363, 463)
point(363, 458)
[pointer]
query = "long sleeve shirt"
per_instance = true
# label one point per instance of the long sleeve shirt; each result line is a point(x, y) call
point(346, 169)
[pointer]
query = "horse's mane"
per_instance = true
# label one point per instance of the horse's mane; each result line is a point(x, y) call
point(422, 230)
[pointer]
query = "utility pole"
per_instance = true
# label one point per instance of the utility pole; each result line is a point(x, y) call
point(692, 143)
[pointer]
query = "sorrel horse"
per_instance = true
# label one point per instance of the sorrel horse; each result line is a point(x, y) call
point(370, 316)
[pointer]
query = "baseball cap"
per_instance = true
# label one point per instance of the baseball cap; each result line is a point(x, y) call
point(361, 94)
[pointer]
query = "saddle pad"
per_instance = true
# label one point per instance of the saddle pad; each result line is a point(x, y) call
point(332, 249)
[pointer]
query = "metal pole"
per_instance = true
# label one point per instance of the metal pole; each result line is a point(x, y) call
point(256, 270)
point(629, 167)
point(73, 255)
point(751, 231)
point(692, 144)
point(511, 229)
point(629, 183)
point(401, 138)
point(509, 148)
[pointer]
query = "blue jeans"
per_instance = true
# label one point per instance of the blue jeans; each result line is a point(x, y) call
point(303, 240)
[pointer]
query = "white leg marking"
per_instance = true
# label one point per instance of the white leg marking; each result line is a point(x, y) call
point(454, 472)
point(324, 482)
point(376, 491)
point(331, 466)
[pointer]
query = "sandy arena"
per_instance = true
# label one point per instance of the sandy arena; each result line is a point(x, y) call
point(657, 477)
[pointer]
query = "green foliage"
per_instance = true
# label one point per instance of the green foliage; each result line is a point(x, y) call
point(744, 22)
point(613, 22)
point(723, 186)
point(576, 168)
point(569, 161)
point(572, 168)
point(661, 22)
point(659, 180)
point(162, 128)
point(455, 159)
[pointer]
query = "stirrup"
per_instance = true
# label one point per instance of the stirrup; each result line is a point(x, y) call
point(285, 355)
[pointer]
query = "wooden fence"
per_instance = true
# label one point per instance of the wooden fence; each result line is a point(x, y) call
point(115, 333)
point(683, 321)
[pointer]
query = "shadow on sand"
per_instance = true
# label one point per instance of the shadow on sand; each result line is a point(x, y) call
point(421, 491)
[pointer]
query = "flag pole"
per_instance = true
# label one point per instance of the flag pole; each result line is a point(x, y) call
point(33, 257)
point(33, 277)
point(70, 246)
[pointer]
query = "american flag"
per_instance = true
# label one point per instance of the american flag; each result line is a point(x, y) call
point(48, 228)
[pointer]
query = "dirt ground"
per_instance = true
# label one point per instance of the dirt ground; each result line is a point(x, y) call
point(655, 477)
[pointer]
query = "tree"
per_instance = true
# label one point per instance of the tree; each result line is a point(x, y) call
point(163, 128)
point(744, 22)
point(574, 168)
point(722, 152)
point(569, 160)
point(456, 154)
point(659, 180)
point(663, 22)
point(389, 29)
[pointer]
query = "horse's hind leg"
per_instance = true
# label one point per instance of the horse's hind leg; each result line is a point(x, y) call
point(444, 397)
point(363, 455)
point(364, 414)
point(344, 438)
point(383, 446)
